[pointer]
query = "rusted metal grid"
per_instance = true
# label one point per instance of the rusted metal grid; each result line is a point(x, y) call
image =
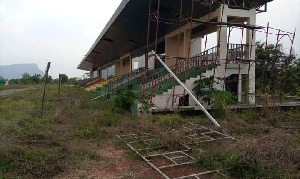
point(175, 161)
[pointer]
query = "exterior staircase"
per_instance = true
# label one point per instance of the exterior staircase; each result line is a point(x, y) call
point(160, 84)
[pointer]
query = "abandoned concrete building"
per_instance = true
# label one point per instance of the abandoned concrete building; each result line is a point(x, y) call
point(143, 32)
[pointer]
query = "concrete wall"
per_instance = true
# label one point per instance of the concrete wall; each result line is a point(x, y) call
point(141, 62)
point(124, 65)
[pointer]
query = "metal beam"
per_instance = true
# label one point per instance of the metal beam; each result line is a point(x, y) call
point(188, 91)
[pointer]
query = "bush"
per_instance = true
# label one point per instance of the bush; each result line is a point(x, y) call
point(203, 89)
point(123, 100)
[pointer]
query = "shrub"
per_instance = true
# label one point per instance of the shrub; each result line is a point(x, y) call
point(123, 100)
point(221, 100)
point(203, 89)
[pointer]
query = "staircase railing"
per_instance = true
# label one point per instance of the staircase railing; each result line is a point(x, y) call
point(183, 69)
point(125, 80)
point(237, 52)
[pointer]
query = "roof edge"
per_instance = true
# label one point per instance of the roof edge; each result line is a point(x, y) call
point(107, 26)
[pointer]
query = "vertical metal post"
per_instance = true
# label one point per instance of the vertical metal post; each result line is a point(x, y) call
point(45, 83)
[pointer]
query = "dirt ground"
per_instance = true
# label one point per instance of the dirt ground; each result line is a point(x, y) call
point(114, 163)
point(12, 91)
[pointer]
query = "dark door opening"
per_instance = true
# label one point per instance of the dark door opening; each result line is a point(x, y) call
point(184, 100)
point(231, 84)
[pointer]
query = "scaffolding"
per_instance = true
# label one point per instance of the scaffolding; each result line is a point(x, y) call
point(238, 54)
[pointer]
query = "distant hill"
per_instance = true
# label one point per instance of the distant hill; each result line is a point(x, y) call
point(15, 71)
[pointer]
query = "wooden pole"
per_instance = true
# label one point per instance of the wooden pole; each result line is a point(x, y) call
point(45, 83)
point(59, 83)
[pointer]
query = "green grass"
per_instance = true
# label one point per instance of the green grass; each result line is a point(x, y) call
point(35, 146)
point(237, 165)
point(2, 87)
point(73, 128)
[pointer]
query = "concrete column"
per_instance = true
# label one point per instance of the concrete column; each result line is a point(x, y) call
point(240, 88)
point(125, 64)
point(99, 72)
point(186, 43)
point(91, 74)
point(222, 47)
point(222, 35)
point(117, 69)
point(171, 47)
point(251, 55)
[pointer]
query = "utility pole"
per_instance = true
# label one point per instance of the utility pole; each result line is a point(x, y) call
point(45, 83)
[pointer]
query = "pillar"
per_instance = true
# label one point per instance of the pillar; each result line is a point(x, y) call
point(222, 48)
point(91, 74)
point(251, 55)
point(117, 69)
point(99, 72)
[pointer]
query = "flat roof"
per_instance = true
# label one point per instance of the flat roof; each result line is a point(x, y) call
point(126, 31)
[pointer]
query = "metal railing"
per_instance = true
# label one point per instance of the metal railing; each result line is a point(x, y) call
point(125, 80)
point(184, 69)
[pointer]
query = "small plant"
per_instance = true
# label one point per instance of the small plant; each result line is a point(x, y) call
point(169, 121)
point(87, 131)
point(124, 100)
point(108, 118)
point(250, 116)
point(146, 107)
point(221, 100)
point(203, 89)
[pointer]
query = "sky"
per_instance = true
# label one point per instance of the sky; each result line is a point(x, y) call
point(62, 31)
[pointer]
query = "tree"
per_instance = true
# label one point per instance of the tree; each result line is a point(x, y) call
point(63, 78)
point(273, 68)
point(36, 78)
point(49, 79)
point(73, 81)
point(25, 78)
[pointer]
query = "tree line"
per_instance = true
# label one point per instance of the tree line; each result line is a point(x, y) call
point(38, 79)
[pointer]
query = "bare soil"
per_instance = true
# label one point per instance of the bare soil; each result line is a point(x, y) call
point(113, 163)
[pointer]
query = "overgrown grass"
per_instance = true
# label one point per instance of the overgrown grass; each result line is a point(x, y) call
point(237, 164)
point(15, 86)
point(35, 146)
point(42, 147)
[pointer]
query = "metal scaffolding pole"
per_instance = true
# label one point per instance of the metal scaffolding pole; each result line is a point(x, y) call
point(188, 91)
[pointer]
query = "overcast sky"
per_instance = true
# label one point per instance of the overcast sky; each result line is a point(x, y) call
point(62, 31)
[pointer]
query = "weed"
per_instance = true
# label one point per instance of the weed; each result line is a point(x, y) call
point(250, 116)
point(108, 118)
point(237, 165)
point(169, 121)
point(85, 154)
point(87, 130)
point(221, 100)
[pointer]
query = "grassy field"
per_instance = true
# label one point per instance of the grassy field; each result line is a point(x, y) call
point(2, 87)
point(73, 129)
